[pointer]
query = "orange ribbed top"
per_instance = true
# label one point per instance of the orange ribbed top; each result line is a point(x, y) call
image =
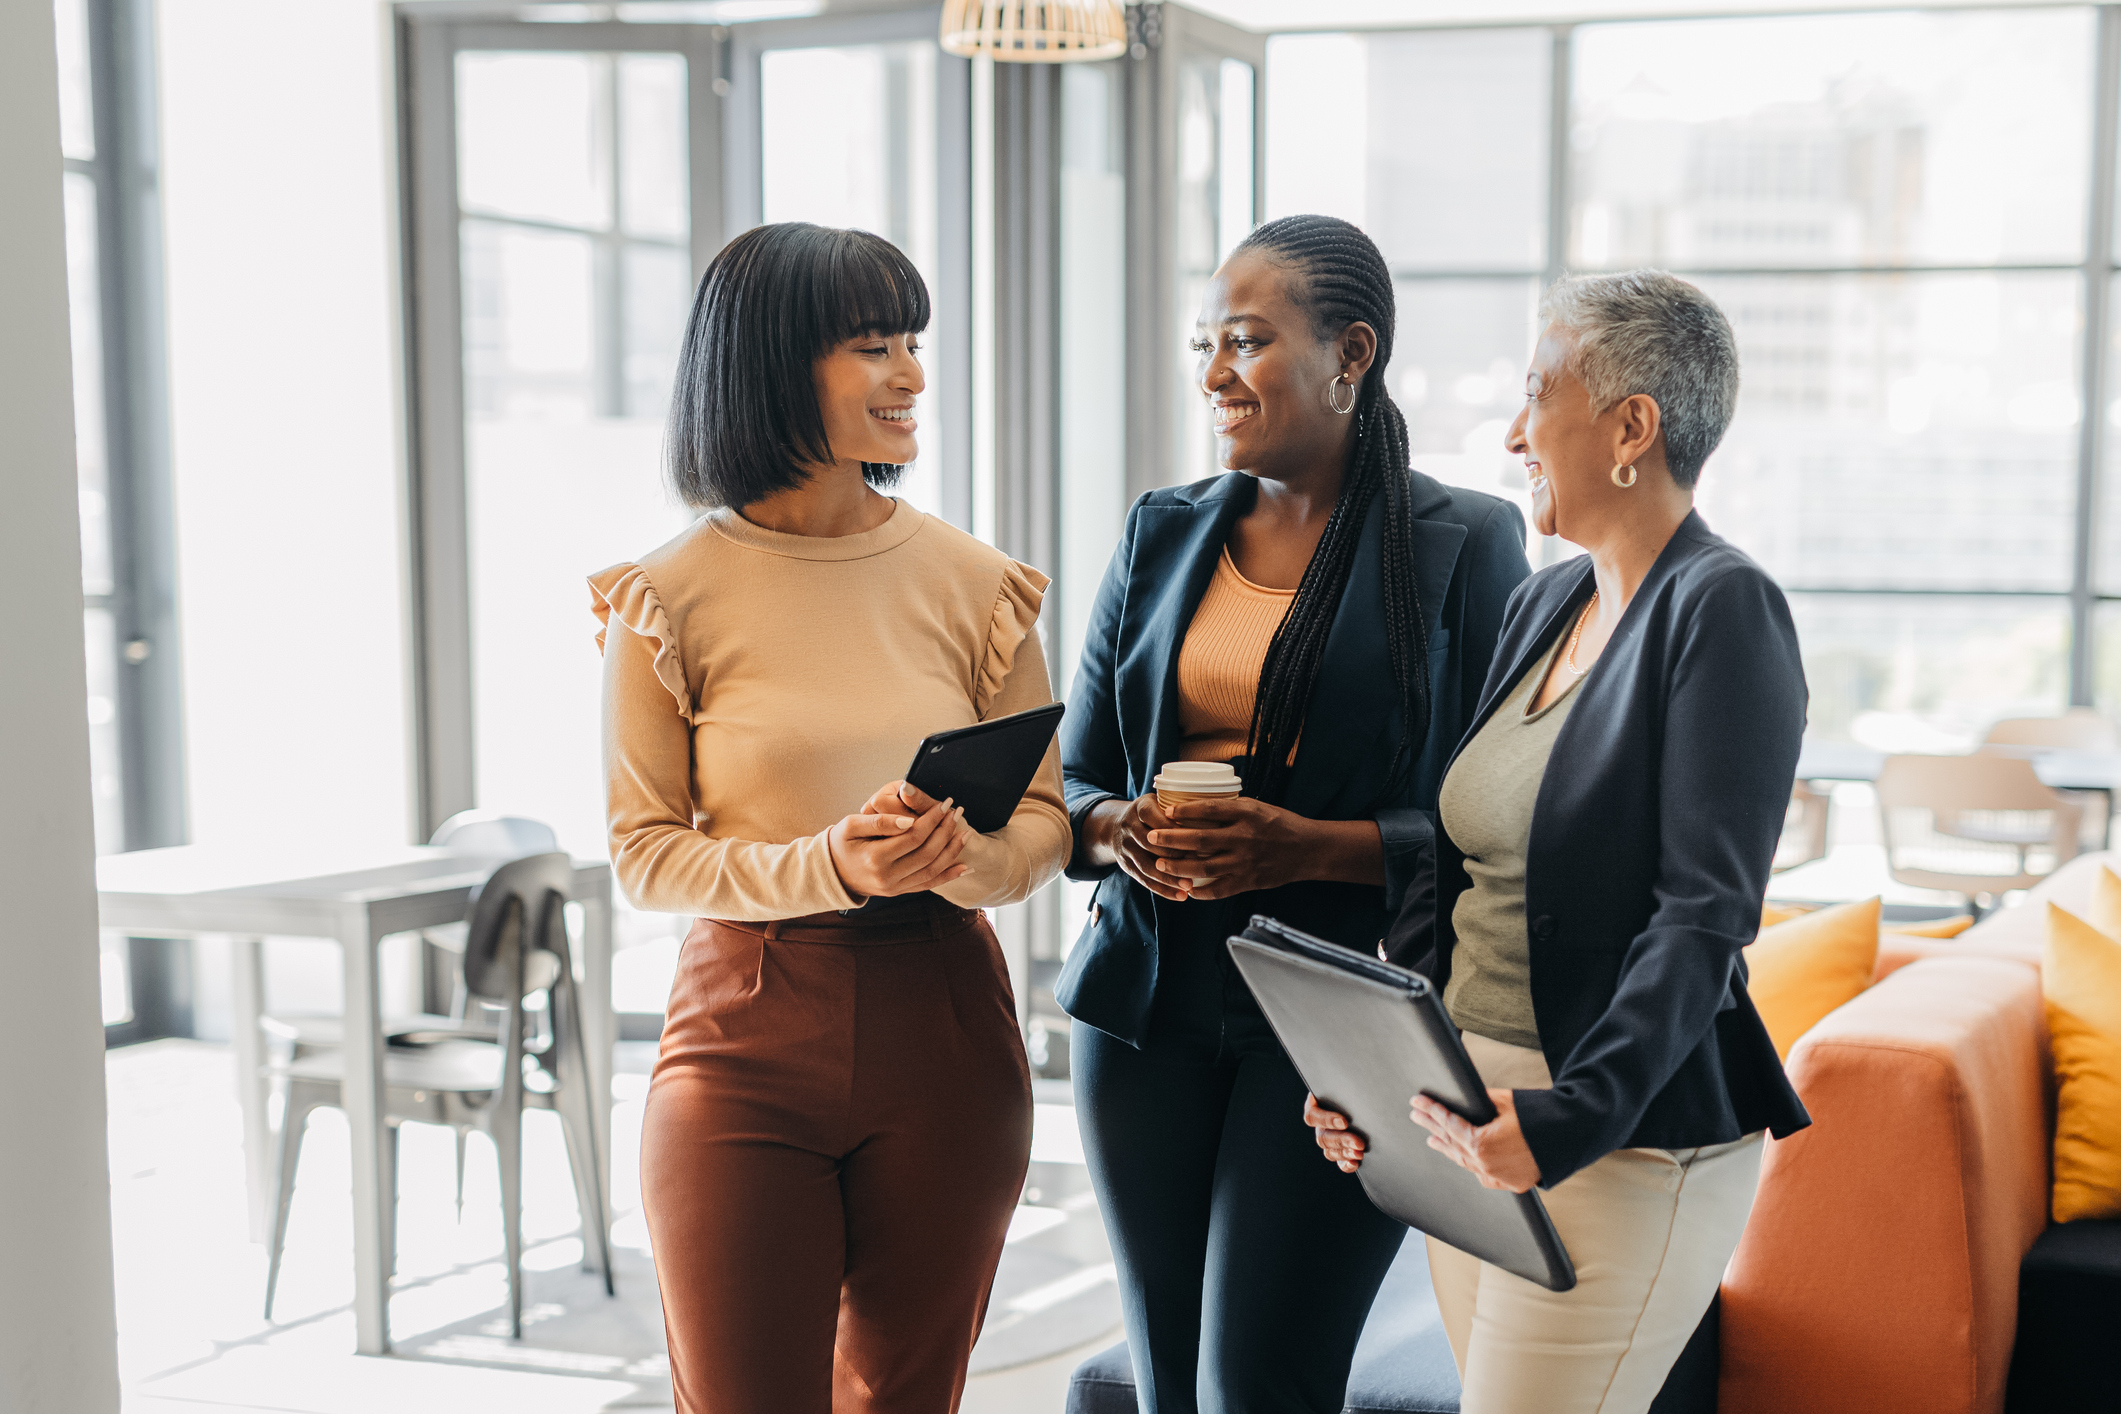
point(1219, 663)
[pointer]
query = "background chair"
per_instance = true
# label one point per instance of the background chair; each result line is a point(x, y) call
point(2078, 729)
point(294, 1036)
point(516, 952)
point(1973, 825)
point(1803, 828)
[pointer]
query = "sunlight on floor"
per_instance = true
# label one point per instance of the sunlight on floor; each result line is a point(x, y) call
point(193, 1339)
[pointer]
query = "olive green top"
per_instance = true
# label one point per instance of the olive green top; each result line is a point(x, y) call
point(1486, 805)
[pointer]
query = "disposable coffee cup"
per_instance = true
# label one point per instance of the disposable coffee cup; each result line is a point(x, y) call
point(1182, 781)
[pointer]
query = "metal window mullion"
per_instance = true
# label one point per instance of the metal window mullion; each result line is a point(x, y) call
point(609, 246)
point(2098, 300)
point(1560, 96)
point(437, 560)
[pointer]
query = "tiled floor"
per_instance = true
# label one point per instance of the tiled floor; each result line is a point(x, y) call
point(193, 1340)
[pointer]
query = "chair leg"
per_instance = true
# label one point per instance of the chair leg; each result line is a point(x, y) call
point(506, 1129)
point(576, 1126)
point(390, 1202)
point(294, 1118)
point(462, 1132)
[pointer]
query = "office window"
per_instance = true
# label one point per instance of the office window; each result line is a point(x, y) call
point(867, 160)
point(1890, 207)
point(127, 565)
point(1902, 431)
point(577, 278)
point(1435, 143)
point(1889, 139)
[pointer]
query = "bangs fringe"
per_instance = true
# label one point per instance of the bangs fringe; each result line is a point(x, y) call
point(876, 290)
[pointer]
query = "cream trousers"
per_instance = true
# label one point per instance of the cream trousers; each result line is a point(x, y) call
point(1650, 1232)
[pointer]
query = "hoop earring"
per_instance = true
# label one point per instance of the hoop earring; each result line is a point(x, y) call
point(1630, 470)
point(1333, 399)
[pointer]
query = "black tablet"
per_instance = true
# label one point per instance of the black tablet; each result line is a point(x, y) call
point(1366, 1036)
point(986, 767)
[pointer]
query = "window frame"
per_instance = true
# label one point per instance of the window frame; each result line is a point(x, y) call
point(124, 176)
point(2098, 270)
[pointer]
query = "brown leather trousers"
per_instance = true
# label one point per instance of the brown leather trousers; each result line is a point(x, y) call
point(835, 1137)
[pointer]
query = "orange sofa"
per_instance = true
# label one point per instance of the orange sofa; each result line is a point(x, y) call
point(1879, 1273)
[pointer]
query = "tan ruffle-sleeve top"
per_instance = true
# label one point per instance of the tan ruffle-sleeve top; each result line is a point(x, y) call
point(760, 686)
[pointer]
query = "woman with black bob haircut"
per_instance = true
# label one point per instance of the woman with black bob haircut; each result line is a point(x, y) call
point(840, 1116)
point(1321, 618)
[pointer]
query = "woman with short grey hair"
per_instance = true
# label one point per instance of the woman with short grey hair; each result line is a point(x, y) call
point(1607, 827)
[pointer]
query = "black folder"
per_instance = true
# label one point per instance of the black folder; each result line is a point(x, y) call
point(1366, 1036)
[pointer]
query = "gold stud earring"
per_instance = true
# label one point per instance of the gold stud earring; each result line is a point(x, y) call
point(1630, 470)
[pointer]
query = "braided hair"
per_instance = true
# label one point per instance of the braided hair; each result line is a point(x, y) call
point(1342, 279)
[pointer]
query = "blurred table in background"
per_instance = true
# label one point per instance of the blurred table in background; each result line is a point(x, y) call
point(356, 898)
point(2059, 768)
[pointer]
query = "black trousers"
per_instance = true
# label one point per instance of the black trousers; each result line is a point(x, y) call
point(1247, 1263)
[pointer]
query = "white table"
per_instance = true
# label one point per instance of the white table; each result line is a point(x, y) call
point(355, 898)
point(2059, 768)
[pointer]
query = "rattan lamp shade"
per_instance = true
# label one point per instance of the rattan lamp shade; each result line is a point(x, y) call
point(1035, 31)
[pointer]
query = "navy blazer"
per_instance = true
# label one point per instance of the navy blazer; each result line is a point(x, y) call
point(1122, 723)
point(1651, 838)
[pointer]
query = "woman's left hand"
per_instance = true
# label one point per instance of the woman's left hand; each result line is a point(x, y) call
point(1236, 846)
point(1495, 1152)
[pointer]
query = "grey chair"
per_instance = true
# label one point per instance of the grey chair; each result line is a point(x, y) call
point(1804, 827)
point(516, 958)
point(485, 834)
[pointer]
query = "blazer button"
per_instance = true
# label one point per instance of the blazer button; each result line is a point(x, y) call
point(1543, 927)
point(1097, 911)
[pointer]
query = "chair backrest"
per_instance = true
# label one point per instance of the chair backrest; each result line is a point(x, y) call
point(495, 836)
point(518, 913)
point(1804, 826)
point(2078, 729)
point(1972, 824)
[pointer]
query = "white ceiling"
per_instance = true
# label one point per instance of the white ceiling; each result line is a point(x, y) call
point(1269, 15)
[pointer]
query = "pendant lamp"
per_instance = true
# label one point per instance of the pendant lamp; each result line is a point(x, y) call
point(1035, 31)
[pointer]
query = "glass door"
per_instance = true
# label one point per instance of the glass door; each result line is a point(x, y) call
point(863, 121)
point(1196, 172)
point(558, 234)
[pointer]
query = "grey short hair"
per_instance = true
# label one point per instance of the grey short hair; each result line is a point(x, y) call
point(1645, 331)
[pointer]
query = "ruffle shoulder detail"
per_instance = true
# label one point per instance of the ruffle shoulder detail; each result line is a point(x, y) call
point(625, 590)
point(1015, 618)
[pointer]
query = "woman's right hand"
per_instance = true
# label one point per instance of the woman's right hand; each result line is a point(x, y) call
point(884, 855)
point(1342, 1145)
point(1119, 834)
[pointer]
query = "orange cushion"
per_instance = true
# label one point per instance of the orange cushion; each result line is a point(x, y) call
point(2081, 978)
point(1938, 928)
point(1800, 970)
point(1773, 913)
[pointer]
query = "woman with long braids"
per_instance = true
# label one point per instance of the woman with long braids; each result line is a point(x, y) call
point(1322, 618)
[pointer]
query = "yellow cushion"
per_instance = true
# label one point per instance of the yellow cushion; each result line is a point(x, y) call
point(2105, 912)
point(1804, 968)
point(2081, 976)
point(1773, 913)
point(1938, 928)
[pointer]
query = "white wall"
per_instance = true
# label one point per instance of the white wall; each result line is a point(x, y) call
point(285, 414)
point(58, 1334)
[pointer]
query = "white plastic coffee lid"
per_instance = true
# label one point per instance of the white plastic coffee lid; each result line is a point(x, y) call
point(1200, 778)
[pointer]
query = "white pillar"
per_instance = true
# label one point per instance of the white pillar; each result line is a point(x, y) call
point(58, 1332)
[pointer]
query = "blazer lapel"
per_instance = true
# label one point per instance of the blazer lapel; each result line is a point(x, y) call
point(1174, 558)
point(1355, 702)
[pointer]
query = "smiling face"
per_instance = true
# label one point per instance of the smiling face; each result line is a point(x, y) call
point(1266, 373)
point(865, 391)
point(1568, 454)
